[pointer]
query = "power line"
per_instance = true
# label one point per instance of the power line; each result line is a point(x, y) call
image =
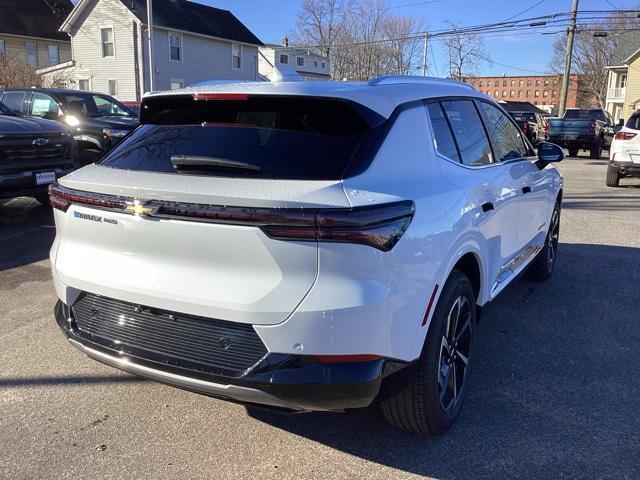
point(526, 10)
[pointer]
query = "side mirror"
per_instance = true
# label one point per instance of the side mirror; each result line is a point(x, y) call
point(549, 152)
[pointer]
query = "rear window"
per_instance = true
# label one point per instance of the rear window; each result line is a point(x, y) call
point(634, 122)
point(585, 115)
point(263, 137)
point(13, 101)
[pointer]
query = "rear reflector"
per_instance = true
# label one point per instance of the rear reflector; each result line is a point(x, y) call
point(220, 96)
point(624, 135)
point(346, 358)
point(378, 226)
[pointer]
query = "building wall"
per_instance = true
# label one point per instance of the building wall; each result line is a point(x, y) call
point(632, 93)
point(87, 49)
point(203, 58)
point(16, 48)
point(524, 88)
point(313, 68)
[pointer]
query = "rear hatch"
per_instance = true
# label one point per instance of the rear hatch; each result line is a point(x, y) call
point(136, 227)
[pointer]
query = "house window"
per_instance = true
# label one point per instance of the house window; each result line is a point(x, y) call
point(520, 83)
point(284, 59)
point(553, 93)
point(519, 93)
point(504, 93)
point(537, 93)
point(323, 64)
point(236, 55)
point(315, 63)
point(512, 94)
point(528, 93)
point(546, 82)
point(113, 88)
point(513, 83)
point(545, 93)
point(537, 83)
point(504, 83)
point(555, 82)
point(300, 61)
point(481, 83)
point(528, 83)
point(83, 84)
point(106, 35)
point(176, 84)
point(623, 80)
point(175, 47)
point(2, 52)
point(496, 93)
point(32, 55)
point(54, 55)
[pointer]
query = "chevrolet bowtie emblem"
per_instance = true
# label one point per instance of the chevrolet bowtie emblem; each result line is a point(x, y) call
point(138, 208)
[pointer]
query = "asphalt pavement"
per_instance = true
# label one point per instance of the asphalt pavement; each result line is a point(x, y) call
point(554, 392)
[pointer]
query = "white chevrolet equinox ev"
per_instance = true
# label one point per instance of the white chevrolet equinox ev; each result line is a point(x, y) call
point(305, 246)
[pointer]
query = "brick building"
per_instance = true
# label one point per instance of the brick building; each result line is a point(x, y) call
point(542, 90)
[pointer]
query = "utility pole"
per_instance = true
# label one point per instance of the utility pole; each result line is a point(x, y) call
point(150, 39)
point(425, 54)
point(567, 59)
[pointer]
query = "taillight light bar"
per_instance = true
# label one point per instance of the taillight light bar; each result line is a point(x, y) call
point(592, 126)
point(624, 135)
point(378, 226)
point(220, 96)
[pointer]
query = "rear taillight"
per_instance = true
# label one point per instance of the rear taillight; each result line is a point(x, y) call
point(61, 198)
point(592, 126)
point(525, 128)
point(378, 226)
point(546, 127)
point(624, 135)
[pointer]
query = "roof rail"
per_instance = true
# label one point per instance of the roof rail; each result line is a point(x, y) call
point(399, 79)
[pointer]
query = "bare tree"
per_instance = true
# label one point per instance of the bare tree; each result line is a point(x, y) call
point(14, 73)
point(591, 56)
point(365, 39)
point(465, 52)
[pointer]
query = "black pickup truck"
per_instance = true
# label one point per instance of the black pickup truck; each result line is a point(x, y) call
point(582, 129)
point(97, 121)
point(33, 154)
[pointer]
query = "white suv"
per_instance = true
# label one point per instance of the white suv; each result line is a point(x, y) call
point(306, 246)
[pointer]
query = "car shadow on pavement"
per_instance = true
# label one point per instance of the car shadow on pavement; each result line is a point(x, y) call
point(26, 232)
point(61, 381)
point(553, 392)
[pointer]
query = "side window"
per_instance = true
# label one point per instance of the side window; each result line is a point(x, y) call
point(468, 132)
point(442, 136)
point(13, 101)
point(505, 136)
point(43, 106)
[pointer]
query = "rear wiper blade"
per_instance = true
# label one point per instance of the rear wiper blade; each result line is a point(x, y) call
point(194, 162)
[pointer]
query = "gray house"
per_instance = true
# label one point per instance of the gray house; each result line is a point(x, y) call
point(192, 43)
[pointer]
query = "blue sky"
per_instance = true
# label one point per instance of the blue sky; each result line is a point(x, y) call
point(271, 19)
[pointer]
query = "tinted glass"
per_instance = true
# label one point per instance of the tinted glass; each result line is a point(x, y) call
point(585, 115)
point(444, 142)
point(4, 110)
point(634, 122)
point(505, 136)
point(283, 138)
point(13, 101)
point(93, 105)
point(469, 132)
point(43, 106)
point(522, 117)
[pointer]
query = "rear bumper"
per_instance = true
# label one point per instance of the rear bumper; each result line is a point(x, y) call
point(626, 169)
point(581, 141)
point(292, 382)
point(24, 183)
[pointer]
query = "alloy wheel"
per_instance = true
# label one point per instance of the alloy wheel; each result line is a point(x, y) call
point(455, 348)
point(552, 239)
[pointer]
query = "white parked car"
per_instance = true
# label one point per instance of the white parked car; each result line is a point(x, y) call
point(306, 246)
point(624, 154)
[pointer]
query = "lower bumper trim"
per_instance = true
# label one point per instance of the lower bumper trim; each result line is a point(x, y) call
point(234, 392)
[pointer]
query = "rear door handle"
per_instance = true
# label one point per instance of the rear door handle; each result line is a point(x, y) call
point(526, 190)
point(487, 206)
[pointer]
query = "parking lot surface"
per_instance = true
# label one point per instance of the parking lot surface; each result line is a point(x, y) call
point(554, 392)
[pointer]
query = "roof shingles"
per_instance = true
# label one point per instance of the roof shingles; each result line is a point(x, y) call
point(195, 18)
point(35, 18)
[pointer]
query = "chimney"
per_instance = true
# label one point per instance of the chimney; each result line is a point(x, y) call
point(284, 42)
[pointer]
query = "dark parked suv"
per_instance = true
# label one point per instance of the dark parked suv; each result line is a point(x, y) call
point(97, 121)
point(33, 154)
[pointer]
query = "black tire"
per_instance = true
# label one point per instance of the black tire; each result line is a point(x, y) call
point(613, 177)
point(596, 152)
point(43, 199)
point(543, 265)
point(418, 407)
point(89, 156)
point(573, 152)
